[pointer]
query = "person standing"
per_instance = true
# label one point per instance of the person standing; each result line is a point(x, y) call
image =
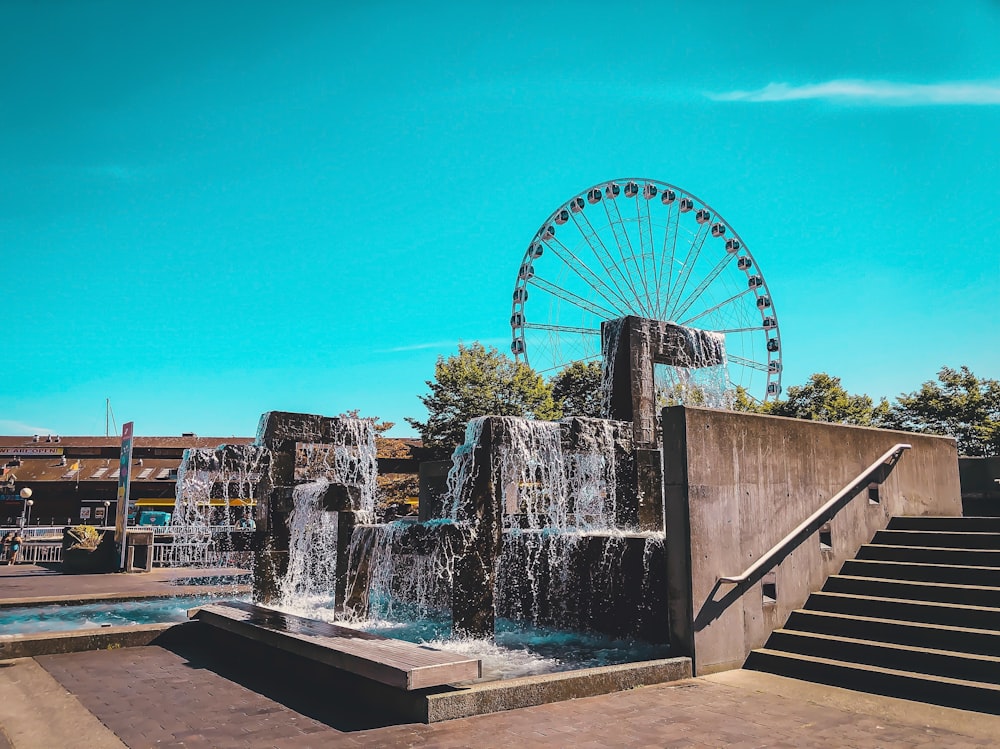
point(15, 548)
point(7, 540)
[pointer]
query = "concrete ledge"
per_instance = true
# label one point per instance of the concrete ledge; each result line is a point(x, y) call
point(79, 640)
point(187, 591)
point(492, 697)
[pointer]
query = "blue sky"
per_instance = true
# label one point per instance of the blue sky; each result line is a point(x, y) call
point(208, 211)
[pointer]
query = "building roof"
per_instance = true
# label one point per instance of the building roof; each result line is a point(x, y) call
point(115, 441)
point(89, 470)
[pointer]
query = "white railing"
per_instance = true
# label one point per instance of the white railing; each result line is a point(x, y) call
point(159, 530)
point(34, 553)
point(35, 531)
point(181, 554)
point(43, 531)
point(164, 555)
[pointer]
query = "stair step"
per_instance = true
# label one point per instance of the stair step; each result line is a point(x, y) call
point(916, 634)
point(939, 690)
point(948, 614)
point(937, 523)
point(938, 539)
point(971, 595)
point(948, 663)
point(931, 555)
point(923, 572)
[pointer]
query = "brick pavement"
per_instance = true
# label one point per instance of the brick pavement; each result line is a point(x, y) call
point(197, 692)
point(202, 691)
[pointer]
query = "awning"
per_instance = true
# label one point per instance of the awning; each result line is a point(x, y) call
point(169, 502)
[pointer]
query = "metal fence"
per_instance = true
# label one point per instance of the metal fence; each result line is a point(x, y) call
point(34, 531)
point(198, 555)
point(34, 553)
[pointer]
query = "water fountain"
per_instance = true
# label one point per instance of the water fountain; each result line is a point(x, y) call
point(546, 523)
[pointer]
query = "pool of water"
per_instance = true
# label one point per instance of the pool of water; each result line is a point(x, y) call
point(64, 617)
point(518, 649)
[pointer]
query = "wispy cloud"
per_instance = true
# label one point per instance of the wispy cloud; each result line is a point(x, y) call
point(983, 93)
point(18, 428)
point(441, 345)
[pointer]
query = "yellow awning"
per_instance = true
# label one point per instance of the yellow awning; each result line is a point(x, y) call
point(168, 502)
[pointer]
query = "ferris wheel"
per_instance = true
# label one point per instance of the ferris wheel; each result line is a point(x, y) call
point(646, 248)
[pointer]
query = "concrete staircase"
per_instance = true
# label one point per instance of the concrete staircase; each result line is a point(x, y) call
point(915, 615)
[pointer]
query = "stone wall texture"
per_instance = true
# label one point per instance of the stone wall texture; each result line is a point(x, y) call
point(735, 484)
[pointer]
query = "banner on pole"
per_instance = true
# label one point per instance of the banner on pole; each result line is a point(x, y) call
point(125, 507)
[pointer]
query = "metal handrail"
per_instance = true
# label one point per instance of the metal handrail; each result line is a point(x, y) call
point(811, 524)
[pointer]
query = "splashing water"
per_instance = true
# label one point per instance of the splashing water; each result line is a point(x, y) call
point(404, 570)
point(312, 548)
point(215, 488)
point(348, 459)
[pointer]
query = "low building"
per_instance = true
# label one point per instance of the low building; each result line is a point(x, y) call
point(75, 479)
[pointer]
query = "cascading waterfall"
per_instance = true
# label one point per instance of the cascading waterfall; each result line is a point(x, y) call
point(310, 580)
point(403, 569)
point(347, 458)
point(563, 534)
point(464, 469)
point(609, 348)
point(564, 537)
point(215, 489)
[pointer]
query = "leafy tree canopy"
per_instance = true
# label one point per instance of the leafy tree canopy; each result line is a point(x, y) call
point(479, 381)
point(577, 389)
point(958, 405)
point(823, 398)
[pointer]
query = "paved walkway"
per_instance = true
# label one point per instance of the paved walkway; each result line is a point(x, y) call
point(203, 691)
point(24, 584)
point(184, 695)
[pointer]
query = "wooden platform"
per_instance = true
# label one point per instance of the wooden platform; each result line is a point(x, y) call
point(399, 664)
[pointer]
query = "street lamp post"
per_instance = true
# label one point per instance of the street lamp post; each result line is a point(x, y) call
point(107, 518)
point(28, 502)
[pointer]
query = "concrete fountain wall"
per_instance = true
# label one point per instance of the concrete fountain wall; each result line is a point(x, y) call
point(735, 484)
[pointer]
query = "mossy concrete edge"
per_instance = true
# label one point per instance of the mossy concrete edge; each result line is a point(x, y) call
point(510, 694)
point(79, 640)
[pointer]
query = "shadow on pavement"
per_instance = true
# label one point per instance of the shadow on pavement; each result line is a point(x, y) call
point(307, 687)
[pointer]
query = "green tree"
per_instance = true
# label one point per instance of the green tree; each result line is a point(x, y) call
point(958, 405)
point(823, 398)
point(479, 381)
point(743, 402)
point(577, 389)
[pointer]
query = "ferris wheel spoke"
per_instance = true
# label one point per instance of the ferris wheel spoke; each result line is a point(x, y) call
point(569, 296)
point(605, 258)
point(575, 264)
point(561, 328)
point(690, 259)
point(718, 306)
point(740, 330)
point(623, 240)
point(671, 238)
point(645, 258)
point(700, 288)
point(749, 363)
point(558, 367)
point(653, 280)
